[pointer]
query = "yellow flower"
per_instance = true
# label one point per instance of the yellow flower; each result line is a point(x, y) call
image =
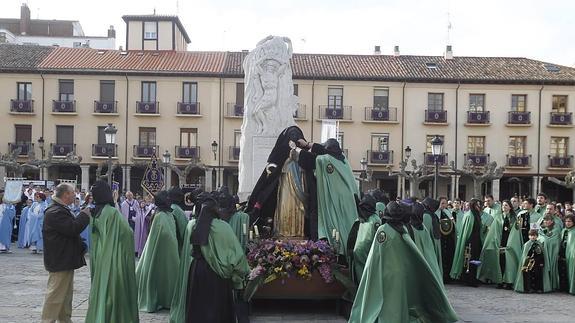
point(303, 271)
point(277, 269)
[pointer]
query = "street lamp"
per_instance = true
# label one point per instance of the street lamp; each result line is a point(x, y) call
point(41, 146)
point(363, 174)
point(110, 134)
point(407, 153)
point(436, 150)
point(214, 148)
point(166, 159)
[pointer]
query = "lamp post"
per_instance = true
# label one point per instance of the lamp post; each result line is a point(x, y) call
point(166, 159)
point(110, 133)
point(214, 148)
point(436, 150)
point(363, 174)
point(407, 153)
point(43, 154)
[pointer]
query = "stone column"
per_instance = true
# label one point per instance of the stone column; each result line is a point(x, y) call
point(85, 177)
point(536, 187)
point(208, 187)
point(45, 174)
point(453, 187)
point(457, 178)
point(495, 189)
point(126, 177)
point(399, 186)
point(2, 175)
point(168, 178)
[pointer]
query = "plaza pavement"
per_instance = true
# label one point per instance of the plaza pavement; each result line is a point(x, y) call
point(23, 282)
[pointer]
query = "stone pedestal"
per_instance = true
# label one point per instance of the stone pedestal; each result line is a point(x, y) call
point(253, 162)
point(85, 177)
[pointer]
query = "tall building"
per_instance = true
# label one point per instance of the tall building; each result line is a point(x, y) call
point(61, 33)
point(515, 111)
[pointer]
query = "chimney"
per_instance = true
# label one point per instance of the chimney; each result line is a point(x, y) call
point(111, 32)
point(24, 19)
point(377, 50)
point(448, 52)
point(396, 51)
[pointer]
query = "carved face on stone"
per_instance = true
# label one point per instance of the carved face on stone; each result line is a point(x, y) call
point(270, 65)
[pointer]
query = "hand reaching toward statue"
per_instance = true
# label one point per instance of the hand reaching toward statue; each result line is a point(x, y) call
point(301, 143)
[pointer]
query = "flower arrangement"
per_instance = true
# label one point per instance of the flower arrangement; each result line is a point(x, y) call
point(273, 259)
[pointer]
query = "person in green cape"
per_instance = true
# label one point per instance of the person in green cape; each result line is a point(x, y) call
point(361, 235)
point(156, 282)
point(218, 266)
point(541, 206)
point(431, 223)
point(176, 197)
point(550, 237)
point(457, 215)
point(567, 257)
point(239, 221)
point(448, 237)
point(531, 276)
point(397, 285)
point(492, 256)
point(178, 306)
point(469, 245)
point(551, 210)
point(514, 247)
point(422, 239)
point(336, 190)
point(114, 293)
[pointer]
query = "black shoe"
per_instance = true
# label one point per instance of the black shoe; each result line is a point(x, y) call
point(500, 286)
point(509, 287)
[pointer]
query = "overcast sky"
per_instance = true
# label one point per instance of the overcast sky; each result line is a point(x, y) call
point(543, 30)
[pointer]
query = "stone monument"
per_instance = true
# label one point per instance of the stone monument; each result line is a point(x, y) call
point(269, 106)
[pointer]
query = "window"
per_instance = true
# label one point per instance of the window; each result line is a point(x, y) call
point(190, 94)
point(435, 101)
point(340, 139)
point(335, 97)
point(381, 98)
point(476, 145)
point(150, 30)
point(380, 142)
point(23, 133)
point(24, 91)
point(295, 90)
point(148, 91)
point(65, 135)
point(107, 91)
point(147, 136)
point(559, 104)
point(101, 135)
point(519, 102)
point(240, 94)
point(66, 90)
point(237, 136)
point(517, 146)
point(188, 137)
point(559, 146)
point(428, 140)
point(477, 102)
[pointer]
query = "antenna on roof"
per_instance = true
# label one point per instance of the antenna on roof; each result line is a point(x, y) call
point(449, 27)
point(154, 11)
point(177, 8)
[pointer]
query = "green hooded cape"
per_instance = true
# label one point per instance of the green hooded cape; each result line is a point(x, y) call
point(155, 271)
point(428, 223)
point(570, 257)
point(519, 282)
point(237, 222)
point(551, 240)
point(114, 293)
point(424, 243)
point(489, 269)
point(398, 286)
point(336, 188)
point(513, 252)
point(181, 222)
point(462, 239)
point(459, 221)
point(224, 255)
point(365, 235)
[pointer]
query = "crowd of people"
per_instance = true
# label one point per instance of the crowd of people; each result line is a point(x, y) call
point(192, 247)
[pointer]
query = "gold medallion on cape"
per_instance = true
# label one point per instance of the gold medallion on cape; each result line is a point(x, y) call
point(330, 168)
point(446, 226)
point(381, 237)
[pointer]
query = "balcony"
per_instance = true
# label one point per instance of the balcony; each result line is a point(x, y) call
point(184, 152)
point(519, 161)
point(429, 159)
point(144, 151)
point(519, 118)
point(22, 106)
point(24, 148)
point(234, 110)
point(61, 150)
point(335, 113)
point(561, 119)
point(189, 109)
point(380, 157)
point(560, 161)
point(234, 154)
point(477, 160)
point(436, 117)
point(64, 107)
point(478, 118)
point(102, 150)
point(148, 108)
point(388, 115)
point(300, 113)
point(104, 107)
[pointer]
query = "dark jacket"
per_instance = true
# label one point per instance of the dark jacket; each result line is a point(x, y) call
point(63, 247)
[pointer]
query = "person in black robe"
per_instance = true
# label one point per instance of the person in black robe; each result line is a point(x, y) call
point(534, 265)
point(448, 238)
point(469, 276)
point(263, 200)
